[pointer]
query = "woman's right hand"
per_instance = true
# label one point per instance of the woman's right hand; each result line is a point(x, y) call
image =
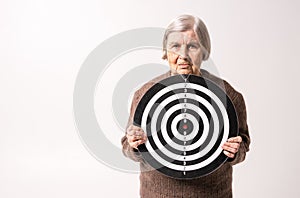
point(135, 136)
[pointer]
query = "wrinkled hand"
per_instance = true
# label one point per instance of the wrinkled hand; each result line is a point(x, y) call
point(231, 147)
point(135, 136)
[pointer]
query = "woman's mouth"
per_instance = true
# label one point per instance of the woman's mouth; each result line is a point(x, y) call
point(184, 65)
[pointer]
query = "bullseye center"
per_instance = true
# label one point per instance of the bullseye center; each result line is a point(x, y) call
point(185, 126)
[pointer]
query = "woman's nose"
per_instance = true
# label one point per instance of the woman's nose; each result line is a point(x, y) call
point(183, 52)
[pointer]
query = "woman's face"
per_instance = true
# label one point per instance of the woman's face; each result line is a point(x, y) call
point(184, 52)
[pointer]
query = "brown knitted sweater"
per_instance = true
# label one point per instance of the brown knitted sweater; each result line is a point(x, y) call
point(154, 184)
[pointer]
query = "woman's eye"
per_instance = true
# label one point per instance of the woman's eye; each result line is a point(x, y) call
point(192, 47)
point(175, 46)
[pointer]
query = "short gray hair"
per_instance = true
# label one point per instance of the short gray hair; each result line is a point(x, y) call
point(188, 22)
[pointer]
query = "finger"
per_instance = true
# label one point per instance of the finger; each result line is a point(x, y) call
point(237, 139)
point(137, 143)
point(143, 138)
point(135, 132)
point(133, 127)
point(228, 154)
point(136, 137)
point(233, 145)
point(230, 149)
point(130, 131)
point(130, 139)
point(134, 144)
point(133, 138)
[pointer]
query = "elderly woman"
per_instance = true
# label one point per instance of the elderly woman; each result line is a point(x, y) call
point(186, 44)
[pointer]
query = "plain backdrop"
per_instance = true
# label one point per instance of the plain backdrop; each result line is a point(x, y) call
point(255, 45)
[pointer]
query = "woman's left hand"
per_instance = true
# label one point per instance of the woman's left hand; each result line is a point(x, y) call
point(231, 147)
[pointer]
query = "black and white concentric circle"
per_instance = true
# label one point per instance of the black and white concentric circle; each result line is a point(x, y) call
point(187, 119)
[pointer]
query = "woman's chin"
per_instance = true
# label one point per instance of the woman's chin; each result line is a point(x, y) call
point(184, 71)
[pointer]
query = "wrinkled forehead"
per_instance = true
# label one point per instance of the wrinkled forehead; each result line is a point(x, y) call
point(183, 37)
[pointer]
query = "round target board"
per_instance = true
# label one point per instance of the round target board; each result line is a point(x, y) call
point(187, 119)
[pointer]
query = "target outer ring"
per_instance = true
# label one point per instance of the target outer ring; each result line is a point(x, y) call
point(200, 166)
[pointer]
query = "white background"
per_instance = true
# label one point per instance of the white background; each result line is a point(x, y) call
point(255, 45)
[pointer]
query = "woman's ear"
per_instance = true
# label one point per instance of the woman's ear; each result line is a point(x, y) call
point(165, 56)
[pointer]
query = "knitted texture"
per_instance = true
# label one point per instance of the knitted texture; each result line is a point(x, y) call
point(154, 184)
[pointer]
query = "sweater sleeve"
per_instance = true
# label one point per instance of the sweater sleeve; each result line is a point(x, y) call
point(128, 151)
point(240, 106)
